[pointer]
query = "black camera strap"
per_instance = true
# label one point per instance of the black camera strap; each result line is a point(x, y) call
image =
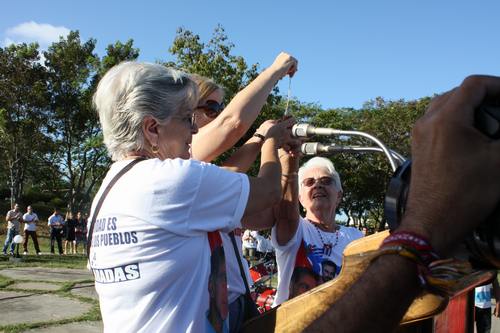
point(103, 196)
point(240, 264)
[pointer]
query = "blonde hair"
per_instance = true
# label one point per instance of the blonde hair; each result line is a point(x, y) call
point(206, 86)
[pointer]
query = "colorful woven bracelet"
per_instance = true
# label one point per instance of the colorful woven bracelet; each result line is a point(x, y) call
point(445, 277)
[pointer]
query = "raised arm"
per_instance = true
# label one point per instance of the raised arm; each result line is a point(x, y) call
point(453, 166)
point(243, 158)
point(269, 173)
point(266, 219)
point(225, 130)
point(287, 211)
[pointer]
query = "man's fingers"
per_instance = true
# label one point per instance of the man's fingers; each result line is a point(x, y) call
point(473, 91)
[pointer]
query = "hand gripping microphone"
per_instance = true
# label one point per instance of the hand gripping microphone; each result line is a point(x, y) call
point(306, 130)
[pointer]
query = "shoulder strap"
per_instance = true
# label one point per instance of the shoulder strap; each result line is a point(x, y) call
point(103, 196)
point(240, 264)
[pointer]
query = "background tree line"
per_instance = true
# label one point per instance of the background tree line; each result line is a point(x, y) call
point(51, 143)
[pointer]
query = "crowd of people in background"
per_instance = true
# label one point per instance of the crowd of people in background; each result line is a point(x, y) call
point(72, 230)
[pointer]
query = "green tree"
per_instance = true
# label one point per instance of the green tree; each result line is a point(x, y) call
point(79, 157)
point(116, 53)
point(23, 100)
point(214, 59)
point(365, 175)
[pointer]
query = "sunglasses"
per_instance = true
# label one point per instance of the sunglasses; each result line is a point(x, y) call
point(211, 108)
point(325, 181)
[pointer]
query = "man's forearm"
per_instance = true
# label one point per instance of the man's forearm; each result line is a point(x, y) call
point(376, 302)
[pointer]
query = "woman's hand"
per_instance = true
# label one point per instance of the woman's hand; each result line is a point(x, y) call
point(285, 64)
point(265, 126)
point(281, 131)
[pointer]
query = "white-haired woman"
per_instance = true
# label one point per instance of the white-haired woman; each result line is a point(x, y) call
point(309, 241)
point(152, 241)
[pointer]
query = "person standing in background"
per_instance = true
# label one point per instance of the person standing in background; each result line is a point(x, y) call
point(70, 225)
point(30, 219)
point(56, 224)
point(249, 244)
point(482, 306)
point(80, 232)
point(13, 218)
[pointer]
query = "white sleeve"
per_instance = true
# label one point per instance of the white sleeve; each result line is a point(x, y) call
point(198, 197)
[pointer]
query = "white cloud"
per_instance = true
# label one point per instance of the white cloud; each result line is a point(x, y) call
point(43, 33)
point(7, 41)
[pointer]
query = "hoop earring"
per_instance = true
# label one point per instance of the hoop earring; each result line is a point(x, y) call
point(155, 149)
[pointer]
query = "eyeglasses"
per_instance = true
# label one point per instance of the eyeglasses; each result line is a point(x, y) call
point(191, 119)
point(211, 108)
point(325, 181)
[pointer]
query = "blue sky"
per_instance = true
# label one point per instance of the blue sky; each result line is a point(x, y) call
point(348, 51)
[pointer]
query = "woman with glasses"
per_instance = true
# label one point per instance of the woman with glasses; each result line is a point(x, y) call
point(220, 128)
point(153, 236)
point(311, 241)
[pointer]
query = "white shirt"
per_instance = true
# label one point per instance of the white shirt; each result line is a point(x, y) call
point(56, 221)
point(482, 296)
point(308, 235)
point(263, 244)
point(150, 253)
point(249, 240)
point(30, 221)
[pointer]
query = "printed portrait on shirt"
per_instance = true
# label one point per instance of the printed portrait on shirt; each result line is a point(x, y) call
point(328, 270)
point(217, 289)
point(303, 279)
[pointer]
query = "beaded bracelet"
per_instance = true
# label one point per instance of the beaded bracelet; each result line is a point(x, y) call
point(445, 277)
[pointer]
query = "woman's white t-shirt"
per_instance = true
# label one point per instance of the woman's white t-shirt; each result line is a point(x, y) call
point(150, 253)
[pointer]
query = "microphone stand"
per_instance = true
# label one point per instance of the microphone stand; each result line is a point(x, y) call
point(398, 158)
point(379, 143)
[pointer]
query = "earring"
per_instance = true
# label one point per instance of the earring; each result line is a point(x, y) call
point(154, 149)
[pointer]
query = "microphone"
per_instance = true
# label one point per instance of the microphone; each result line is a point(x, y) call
point(316, 148)
point(306, 130)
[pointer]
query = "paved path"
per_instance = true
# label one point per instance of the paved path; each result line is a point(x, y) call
point(34, 298)
point(27, 301)
point(21, 307)
point(47, 274)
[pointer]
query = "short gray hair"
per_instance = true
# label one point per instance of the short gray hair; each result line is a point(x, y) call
point(324, 163)
point(131, 91)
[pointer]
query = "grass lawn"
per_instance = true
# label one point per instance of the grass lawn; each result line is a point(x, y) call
point(46, 259)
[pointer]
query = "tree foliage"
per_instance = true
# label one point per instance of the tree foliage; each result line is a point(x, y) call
point(52, 144)
point(23, 97)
